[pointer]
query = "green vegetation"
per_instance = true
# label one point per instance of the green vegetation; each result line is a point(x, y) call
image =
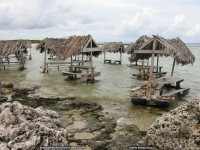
point(34, 41)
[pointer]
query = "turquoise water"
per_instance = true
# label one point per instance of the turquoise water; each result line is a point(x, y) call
point(111, 88)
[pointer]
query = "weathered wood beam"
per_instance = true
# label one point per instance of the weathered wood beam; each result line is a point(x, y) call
point(149, 51)
point(173, 67)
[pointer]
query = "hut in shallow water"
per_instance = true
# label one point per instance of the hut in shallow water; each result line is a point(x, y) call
point(152, 92)
point(13, 52)
point(113, 47)
point(72, 46)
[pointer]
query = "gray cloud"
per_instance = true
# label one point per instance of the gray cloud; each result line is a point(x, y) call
point(106, 20)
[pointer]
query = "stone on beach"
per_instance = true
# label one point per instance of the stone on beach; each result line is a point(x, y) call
point(178, 129)
point(23, 127)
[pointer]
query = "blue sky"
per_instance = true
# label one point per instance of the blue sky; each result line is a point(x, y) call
point(105, 20)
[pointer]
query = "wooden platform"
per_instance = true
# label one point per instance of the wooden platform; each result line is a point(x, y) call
point(175, 92)
point(83, 72)
point(169, 80)
point(139, 94)
point(65, 73)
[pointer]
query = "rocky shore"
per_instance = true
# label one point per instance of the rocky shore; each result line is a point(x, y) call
point(179, 129)
point(23, 127)
point(83, 124)
point(26, 125)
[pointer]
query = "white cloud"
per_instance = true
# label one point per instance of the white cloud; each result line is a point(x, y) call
point(139, 20)
point(122, 20)
point(178, 20)
point(194, 31)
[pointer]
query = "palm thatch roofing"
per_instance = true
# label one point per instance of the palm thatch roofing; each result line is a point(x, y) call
point(175, 48)
point(113, 47)
point(73, 45)
point(53, 45)
point(9, 47)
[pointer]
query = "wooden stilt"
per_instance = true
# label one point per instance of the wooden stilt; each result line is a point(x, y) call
point(45, 59)
point(92, 72)
point(151, 70)
point(30, 57)
point(82, 59)
point(104, 56)
point(157, 62)
point(71, 64)
point(120, 55)
point(173, 67)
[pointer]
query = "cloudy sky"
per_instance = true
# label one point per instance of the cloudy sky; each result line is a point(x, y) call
point(105, 20)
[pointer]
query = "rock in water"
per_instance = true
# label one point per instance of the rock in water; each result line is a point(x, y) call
point(22, 127)
point(178, 129)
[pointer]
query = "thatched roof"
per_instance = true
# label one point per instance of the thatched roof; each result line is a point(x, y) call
point(170, 47)
point(113, 47)
point(73, 45)
point(53, 45)
point(9, 47)
point(137, 44)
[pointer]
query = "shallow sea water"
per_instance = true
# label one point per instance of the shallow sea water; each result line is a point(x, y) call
point(111, 88)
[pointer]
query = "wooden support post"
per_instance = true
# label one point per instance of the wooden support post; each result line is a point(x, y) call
point(173, 67)
point(104, 56)
point(45, 59)
point(120, 55)
point(91, 54)
point(82, 59)
point(71, 64)
point(152, 58)
point(151, 69)
point(30, 55)
point(157, 62)
point(92, 72)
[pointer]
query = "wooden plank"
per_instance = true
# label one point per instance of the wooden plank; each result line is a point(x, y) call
point(90, 75)
point(10, 62)
point(70, 73)
point(174, 92)
point(52, 63)
point(169, 80)
point(149, 52)
point(173, 67)
point(84, 67)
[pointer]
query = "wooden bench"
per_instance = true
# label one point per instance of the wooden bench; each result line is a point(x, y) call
point(65, 73)
point(107, 60)
point(117, 61)
point(175, 92)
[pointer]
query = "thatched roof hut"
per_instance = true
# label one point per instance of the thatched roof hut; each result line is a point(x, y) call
point(136, 45)
point(52, 45)
point(142, 49)
point(9, 47)
point(73, 45)
point(113, 47)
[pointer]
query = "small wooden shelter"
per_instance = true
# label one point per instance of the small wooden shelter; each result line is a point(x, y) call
point(113, 47)
point(155, 46)
point(12, 50)
point(72, 46)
